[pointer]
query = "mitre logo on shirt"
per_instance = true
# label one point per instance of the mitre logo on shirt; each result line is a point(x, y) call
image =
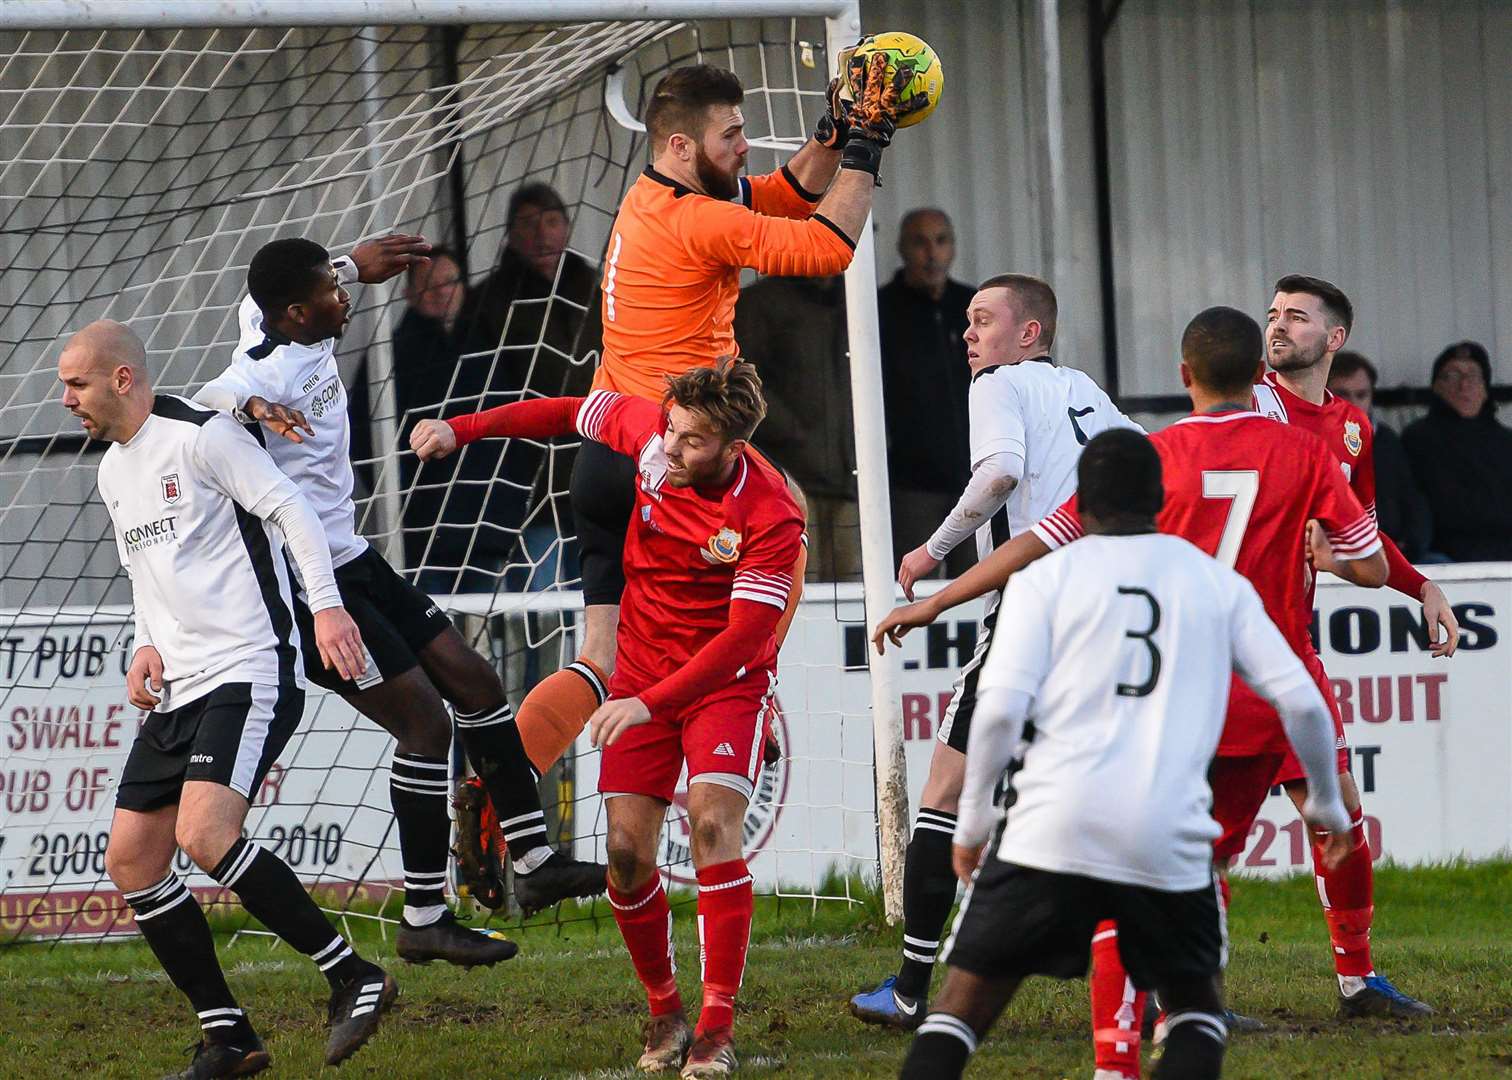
point(723, 547)
point(161, 531)
point(310, 383)
point(1352, 441)
point(171, 490)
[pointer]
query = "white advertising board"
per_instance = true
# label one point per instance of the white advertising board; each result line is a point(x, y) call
point(1431, 743)
point(65, 731)
point(1431, 739)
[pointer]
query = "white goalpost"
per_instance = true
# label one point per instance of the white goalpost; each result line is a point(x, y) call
point(150, 150)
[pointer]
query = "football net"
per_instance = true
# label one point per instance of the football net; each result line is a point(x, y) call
point(144, 169)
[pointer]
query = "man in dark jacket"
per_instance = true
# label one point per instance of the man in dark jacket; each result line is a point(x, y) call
point(922, 315)
point(794, 330)
point(1401, 509)
point(530, 327)
point(1462, 458)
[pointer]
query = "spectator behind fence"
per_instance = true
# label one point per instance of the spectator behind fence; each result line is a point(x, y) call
point(431, 380)
point(535, 320)
point(925, 377)
point(793, 329)
point(1401, 509)
point(1462, 458)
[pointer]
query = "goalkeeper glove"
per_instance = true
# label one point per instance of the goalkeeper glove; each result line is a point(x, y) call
point(874, 117)
point(834, 123)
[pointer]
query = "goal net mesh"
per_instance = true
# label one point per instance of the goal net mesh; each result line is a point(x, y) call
point(143, 169)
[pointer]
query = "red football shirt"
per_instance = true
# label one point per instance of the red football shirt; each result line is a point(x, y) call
point(689, 554)
point(1347, 432)
point(1243, 488)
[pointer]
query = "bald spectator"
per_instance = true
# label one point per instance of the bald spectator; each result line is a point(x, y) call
point(1462, 458)
point(1401, 509)
point(922, 315)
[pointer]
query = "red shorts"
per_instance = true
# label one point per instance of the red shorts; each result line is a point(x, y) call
point(719, 736)
point(1291, 768)
point(1240, 785)
point(1252, 727)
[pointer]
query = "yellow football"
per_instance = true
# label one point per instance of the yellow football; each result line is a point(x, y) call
point(929, 76)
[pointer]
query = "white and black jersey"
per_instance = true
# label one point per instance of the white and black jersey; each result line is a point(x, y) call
point(1044, 414)
point(188, 495)
point(1040, 415)
point(1124, 646)
point(303, 377)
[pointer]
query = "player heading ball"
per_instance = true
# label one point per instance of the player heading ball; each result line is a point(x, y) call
point(712, 539)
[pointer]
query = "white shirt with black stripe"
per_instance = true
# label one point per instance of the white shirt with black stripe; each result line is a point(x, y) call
point(303, 377)
point(1042, 413)
point(189, 495)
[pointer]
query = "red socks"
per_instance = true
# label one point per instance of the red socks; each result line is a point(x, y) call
point(1348, 894)
point(645, 922)
point(1117, 1007)
point(724, 932)
point(725, 905)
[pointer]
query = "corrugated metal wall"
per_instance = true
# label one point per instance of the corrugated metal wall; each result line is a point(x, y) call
point(983, 156)
point(1369, 141)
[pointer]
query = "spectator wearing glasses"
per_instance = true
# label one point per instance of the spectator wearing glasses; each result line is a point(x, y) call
point(1462, 458)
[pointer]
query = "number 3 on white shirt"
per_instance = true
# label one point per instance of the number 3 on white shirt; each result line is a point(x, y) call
point(1240, 487)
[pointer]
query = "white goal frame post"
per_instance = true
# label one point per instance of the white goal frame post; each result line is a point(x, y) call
point(842, 28)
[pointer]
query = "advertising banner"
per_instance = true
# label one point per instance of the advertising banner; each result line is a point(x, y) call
point(1430, 741)
point(66, 728)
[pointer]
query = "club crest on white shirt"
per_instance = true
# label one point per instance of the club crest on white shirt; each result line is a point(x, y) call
point(171, 488)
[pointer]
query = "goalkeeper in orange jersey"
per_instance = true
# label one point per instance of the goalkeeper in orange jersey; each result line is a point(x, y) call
point(684, 231)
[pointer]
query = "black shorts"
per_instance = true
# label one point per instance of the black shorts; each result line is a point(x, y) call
point(396, 621)
point(1017, 921)
point(603, 498)
point(231, 736)
point(955, 726)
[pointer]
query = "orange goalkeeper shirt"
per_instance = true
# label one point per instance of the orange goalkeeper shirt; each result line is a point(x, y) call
point(673, 271)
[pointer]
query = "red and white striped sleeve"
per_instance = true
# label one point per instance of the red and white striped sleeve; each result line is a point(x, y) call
point(762, 587)
point(1359, 540)
point(619, 421)
point(1061, 526)
point(1351, 528)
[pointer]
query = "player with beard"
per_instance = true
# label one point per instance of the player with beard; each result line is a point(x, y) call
point(706, 564)
point(1309, 320)
point(685, 230)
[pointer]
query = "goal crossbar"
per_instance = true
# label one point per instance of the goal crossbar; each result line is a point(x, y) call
point(144, 14)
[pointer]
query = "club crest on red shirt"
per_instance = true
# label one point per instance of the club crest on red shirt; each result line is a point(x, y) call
point(171, 490)
point(723, 546)
point(1352, 440)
